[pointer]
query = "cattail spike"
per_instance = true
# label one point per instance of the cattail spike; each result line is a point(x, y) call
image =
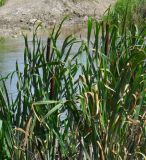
point(107, 41)
point(52, 87)
point(48, 49)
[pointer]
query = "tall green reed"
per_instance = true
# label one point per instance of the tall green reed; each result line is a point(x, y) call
point(129, 12)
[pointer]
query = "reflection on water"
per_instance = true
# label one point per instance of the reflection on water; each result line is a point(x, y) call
point(10, 51)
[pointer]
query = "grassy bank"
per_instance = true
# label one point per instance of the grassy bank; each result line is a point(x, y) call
point(135, 11)
point(85, 100)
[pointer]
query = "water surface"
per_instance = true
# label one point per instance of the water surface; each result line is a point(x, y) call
point(12, 50)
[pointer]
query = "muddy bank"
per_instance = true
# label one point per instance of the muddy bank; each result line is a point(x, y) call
point(16, 16)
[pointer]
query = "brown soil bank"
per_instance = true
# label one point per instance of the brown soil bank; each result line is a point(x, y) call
point(20, 14)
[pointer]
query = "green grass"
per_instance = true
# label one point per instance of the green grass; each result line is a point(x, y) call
point(135, 11)
point(2, 2)
point(67, 108)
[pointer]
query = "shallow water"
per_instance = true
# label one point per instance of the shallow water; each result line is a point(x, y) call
point(11, 50)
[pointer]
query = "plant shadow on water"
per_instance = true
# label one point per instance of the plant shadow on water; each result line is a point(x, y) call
point(103, 97)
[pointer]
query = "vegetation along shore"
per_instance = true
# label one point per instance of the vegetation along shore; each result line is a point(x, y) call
point(85, 100)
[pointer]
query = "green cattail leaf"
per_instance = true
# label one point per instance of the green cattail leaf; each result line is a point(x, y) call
point(54, 109)
point(44, 102)
point(90, 23)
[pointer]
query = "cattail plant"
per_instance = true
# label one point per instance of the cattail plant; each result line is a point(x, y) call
point(67, 108)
